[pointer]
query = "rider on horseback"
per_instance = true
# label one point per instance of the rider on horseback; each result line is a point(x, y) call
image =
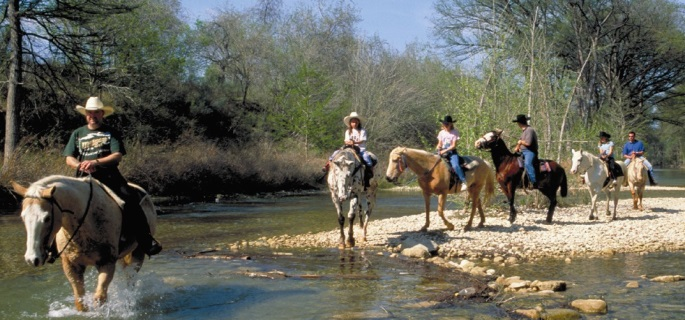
point(447, 147)
point(96, 150)
point(355, 137)
point(528, 146)
point(635, 148)
point(606, 154)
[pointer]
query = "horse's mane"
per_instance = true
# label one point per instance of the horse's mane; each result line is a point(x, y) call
point(35, 188)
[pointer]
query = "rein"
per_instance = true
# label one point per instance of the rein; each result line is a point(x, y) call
point(85, 214)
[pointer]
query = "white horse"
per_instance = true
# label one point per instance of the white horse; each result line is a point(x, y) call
point(637, 179)
point(346, 182)
point(594, 172)
point(84, 218)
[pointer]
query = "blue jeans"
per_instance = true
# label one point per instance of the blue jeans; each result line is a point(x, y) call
point(454, 161)
point(528, 157)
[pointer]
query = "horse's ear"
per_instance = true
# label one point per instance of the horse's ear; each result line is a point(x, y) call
point(498, 131)
point(47, 193)
point(573, 150)
point(19, 189)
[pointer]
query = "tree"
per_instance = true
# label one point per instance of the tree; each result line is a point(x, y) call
point(58, 27)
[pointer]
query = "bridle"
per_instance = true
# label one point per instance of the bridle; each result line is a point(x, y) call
point(53, 204)
point(402, 162)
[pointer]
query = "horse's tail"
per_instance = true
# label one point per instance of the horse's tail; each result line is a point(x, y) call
point(564, 184)
point(489, 184)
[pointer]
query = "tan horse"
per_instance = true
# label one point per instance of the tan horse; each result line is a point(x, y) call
point(434, 178)
point(637, 180)
point(85, 220)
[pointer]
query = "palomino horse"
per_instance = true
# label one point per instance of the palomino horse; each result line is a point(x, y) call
point(434, 178)
point(509, 173)
point(637, 179)
point(85, 220)
point(594, 172)
point(346, 182)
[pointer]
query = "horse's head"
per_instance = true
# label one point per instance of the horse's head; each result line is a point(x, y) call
point(579, 161)
point(345, 173)
point(488, 140)
point(396, 165)
point(40, 220)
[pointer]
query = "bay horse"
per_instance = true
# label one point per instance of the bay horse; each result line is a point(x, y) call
point(346, 182)
point(434, 178)
point(637, 179)
point(84, 219)
point(510, 173)
point(595, 173)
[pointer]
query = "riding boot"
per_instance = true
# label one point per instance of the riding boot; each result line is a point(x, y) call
point(652, 182)
point(326, 167)
point(142, 229)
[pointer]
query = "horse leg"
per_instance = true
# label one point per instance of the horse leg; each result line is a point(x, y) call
point(355, 208)
point(640, 192)
point(370, 204)
point(105, 276)
point(473, 212)
point(593, 204)
point(427, 202)
point(341, 222)
point(609, 194)
point(552, 196)
point(511, 194)
point(479, 205)
point(441, 207)
point(633, 193)
point(74, 274)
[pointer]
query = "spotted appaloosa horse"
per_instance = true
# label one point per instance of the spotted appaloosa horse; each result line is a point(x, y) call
point(434, 178)
point(85, 220)
point(594, 171)
point(509, 173)
point(346, 182)
point(637, 179)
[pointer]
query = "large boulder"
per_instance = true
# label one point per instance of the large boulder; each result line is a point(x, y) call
point(590, 305)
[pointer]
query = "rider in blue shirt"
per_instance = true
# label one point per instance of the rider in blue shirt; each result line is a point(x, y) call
point(635, 148)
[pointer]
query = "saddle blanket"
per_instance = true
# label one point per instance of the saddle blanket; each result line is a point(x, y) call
point(544, 165)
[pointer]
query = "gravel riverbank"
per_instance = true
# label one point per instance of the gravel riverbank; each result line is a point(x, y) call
point(659, 227)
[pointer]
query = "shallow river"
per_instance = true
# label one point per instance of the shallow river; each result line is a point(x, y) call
point(319, 284)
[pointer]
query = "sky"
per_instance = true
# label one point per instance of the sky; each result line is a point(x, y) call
point(398, 22)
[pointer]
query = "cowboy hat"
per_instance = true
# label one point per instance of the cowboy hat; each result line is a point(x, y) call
point(604, 134)
point(521, 118)
point(93, 104)
point(352, 115)
point(447, 119)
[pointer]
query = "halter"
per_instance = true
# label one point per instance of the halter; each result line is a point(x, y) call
point(402, 162)
point(53, 203)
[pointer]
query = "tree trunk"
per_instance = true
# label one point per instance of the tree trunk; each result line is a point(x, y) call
point(14, 84)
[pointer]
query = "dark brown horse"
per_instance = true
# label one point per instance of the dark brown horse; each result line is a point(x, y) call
point(509, 173)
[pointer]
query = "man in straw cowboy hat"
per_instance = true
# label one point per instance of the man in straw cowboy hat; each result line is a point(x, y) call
point(528, 146)
point(96, 150)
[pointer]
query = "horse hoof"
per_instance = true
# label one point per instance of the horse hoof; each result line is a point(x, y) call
point(424, 229)
point(450, 226)
point(341, 246)
point(350, 243)
point(480, 225)
point(467, 228)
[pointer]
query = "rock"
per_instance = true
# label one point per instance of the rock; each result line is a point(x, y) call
point(668, 278)
point(549, 285)
point(590, 305)
point(466, 292)
point(561, 314)
point(418, 251)
point(633, 284)
point(519, 285)
point(529, 313)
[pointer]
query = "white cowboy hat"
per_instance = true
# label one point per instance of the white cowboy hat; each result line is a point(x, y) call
point(352, 115)
point(94, 103)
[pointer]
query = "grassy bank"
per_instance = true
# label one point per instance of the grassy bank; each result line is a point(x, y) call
point(190, 170)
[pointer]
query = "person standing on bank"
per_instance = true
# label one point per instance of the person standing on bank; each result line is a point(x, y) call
point(606, 154)
point(96, 150)
point(447, 147)
point(528, 146)
point(636, 149)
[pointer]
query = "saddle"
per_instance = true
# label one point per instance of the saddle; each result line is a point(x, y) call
point(368, 171)
point(544, 164)
point(466, 163)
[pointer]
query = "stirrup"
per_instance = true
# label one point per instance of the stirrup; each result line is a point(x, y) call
point(464, 186)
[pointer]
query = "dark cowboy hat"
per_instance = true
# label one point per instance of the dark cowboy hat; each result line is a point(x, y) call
point(604, 134)
point(446, 120)
point(521, 118)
